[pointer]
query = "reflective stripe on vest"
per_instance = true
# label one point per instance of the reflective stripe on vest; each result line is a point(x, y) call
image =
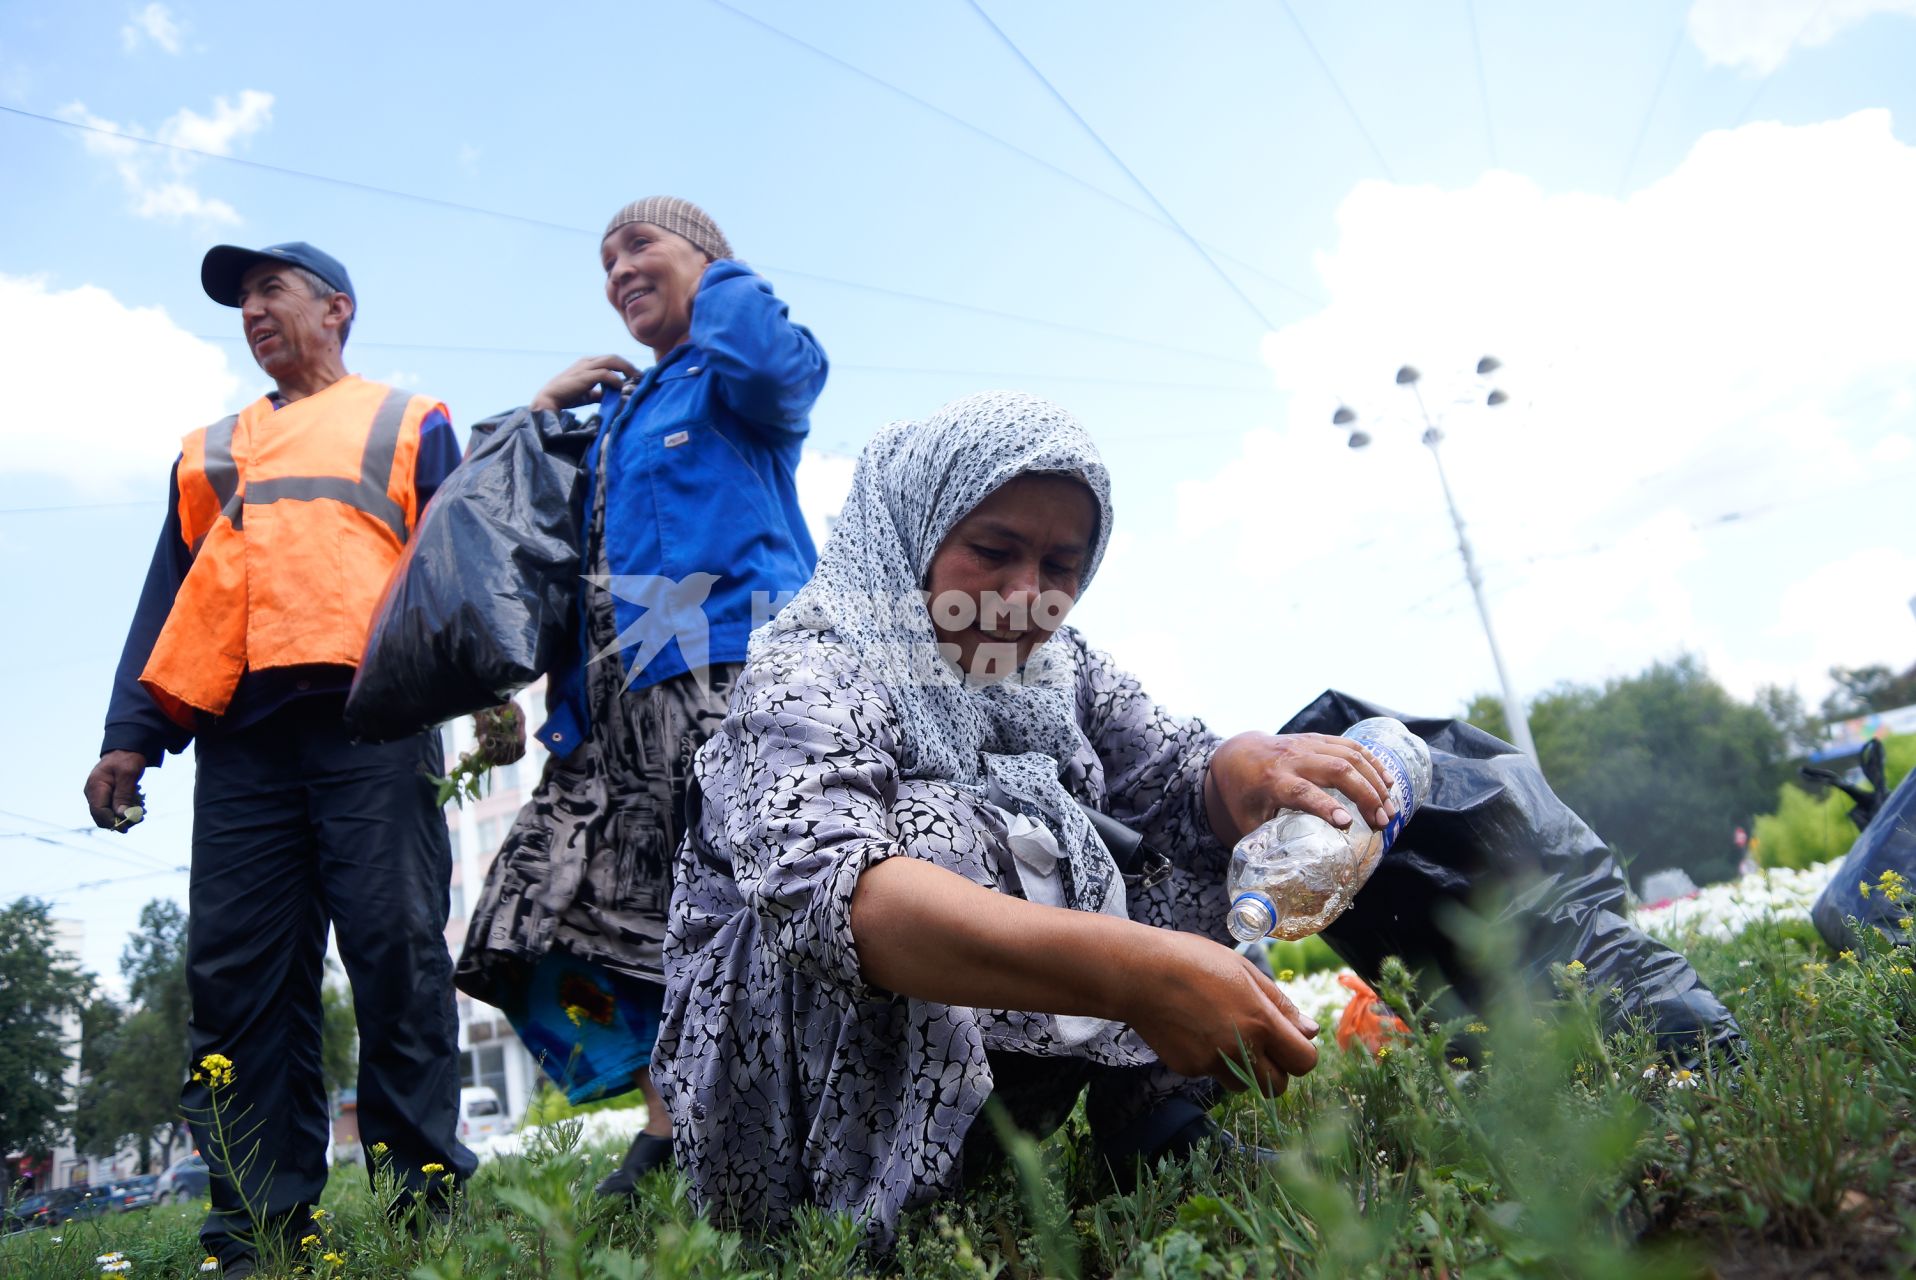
point(368, 493)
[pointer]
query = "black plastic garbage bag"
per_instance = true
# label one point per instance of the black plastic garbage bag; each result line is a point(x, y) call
point(482, 601)
point(1492, 830)
point(1888, 843)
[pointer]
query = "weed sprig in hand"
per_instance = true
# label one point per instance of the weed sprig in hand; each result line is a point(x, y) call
point(497, 743)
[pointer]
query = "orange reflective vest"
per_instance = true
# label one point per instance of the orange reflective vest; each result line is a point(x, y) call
point(295, 517)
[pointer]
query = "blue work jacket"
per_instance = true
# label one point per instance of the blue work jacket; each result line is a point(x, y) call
point(703, 533)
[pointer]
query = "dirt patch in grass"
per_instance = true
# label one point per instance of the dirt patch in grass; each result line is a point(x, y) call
point(1875, 1240)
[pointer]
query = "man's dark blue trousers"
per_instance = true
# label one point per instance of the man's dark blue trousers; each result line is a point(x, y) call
point(297, 827)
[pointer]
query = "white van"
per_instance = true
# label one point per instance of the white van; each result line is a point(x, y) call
point(481, 1114)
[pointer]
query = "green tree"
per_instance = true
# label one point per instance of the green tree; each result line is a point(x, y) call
point(1665, 764)
point(131, 1094)
point(1860, 690)
point(43, 994)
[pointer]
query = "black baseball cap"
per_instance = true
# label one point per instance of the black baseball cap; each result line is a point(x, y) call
point(225, 264)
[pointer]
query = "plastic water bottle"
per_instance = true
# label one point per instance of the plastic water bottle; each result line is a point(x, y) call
point(1295, 874)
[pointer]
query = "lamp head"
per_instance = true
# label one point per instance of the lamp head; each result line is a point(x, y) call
point(1344, 416)
point(1406, 376)
point(1488, 365)
point(1495, 398)
point(1359, 439)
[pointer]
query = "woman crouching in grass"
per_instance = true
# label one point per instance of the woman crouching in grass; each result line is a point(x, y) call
point(893, 903)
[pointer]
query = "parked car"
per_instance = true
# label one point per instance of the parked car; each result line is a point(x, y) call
point(133, 1193)
point(185, 1180)
point(50, 1208)
point(481, 1114)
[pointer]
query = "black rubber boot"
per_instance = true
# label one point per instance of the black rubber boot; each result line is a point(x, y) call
point(647, 1152)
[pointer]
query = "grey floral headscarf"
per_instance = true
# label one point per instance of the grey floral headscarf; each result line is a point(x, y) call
point(913, 483)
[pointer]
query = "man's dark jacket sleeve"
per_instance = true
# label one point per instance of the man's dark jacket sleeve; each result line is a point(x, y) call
point(134, 722)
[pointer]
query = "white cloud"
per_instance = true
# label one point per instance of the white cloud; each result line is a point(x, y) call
point(823, 481)
point(158, 179)
point(1705, 380)
point(60, 341)
point(1851, 612)
point(155, 23)
point(1758, 35)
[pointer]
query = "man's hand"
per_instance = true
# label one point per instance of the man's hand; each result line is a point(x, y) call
point(583, 381)
point(114, 785)
point(501, 733)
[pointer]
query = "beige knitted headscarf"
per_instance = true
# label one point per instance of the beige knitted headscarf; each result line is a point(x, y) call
point(680, 217)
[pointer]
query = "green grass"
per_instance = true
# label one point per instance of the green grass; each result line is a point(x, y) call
point(1525, 1144)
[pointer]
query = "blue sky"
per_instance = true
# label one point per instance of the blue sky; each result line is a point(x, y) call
point(1682, 226)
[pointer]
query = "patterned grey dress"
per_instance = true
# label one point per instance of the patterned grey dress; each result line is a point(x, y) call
point(586, 866)
point(789, 1079)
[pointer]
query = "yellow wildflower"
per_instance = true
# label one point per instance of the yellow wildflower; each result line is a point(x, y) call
point(1285, 975)
point(1846, 954)
point(574, 1014)
point(1383, 1051)
point(433, 1167)
point(379, 1148)
point(318, 1214)
point(308, 1241)
point(1906, 924)
point(338, 1260)
point(1575, 967)
point(1476, 1028)
point(216, 1069)
point(1460, 1062)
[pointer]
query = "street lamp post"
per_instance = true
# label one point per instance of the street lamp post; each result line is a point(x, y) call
point(1432, 438)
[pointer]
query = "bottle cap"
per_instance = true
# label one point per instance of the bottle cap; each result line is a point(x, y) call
point(1251, 917)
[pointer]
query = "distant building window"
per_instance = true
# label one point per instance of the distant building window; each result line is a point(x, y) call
point(491, 832)
point(459, 902)
point(485, 1065)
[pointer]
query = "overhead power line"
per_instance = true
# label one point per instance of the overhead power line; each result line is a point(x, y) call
point(1483, 81)
point(837, 366)
point(968, 126)
point(1764, 83)
point(58, 843)
point(286, 172)
point(481, 211)
point(1338, 89)
point(1656, 96)
point(59, 836)
point(1116, 159)
point(85, 885)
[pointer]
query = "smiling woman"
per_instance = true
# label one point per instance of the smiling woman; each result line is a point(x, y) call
point(690, 494)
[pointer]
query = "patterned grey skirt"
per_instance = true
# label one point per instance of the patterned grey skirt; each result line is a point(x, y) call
point(587, 865)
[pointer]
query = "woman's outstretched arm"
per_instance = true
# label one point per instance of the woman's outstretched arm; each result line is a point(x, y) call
point(931, 934)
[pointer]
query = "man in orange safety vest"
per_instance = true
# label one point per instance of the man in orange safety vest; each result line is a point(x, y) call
point(283, 525)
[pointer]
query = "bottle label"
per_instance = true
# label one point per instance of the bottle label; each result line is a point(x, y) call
point(1400, 790)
